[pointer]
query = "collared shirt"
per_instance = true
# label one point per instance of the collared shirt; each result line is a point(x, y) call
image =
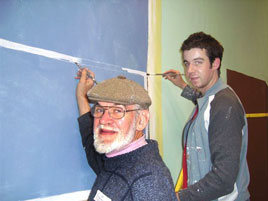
point(128, 148)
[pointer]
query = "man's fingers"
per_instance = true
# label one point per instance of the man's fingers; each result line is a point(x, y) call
point(83, 75)
point(78, 74)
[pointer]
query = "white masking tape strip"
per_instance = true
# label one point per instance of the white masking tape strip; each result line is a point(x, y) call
point(55, 55)
point(137, 72)
point(38, 51)
point(62, 57)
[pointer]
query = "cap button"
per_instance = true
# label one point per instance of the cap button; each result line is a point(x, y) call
point(121, 77)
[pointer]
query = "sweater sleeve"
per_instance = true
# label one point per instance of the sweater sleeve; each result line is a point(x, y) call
point(190, 94)
point(86, 130)
point(225, 138)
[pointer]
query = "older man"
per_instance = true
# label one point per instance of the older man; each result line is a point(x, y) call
point(128, 167)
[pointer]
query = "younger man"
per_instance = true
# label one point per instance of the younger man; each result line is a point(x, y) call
point(216, 136)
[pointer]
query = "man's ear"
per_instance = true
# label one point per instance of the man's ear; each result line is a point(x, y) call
point(142, 120)
point(216, 63)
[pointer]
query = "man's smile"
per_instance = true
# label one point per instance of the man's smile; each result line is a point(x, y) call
point(107, 131)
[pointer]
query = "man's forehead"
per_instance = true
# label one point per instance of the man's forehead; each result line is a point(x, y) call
point(194, 54)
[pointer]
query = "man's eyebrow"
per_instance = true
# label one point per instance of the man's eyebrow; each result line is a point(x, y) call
point(199, 58)
point(195, 59)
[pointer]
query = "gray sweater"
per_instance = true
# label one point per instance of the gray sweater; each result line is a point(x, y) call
point(137, 175)
point(216, 147)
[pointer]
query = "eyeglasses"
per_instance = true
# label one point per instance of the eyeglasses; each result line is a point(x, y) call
point(113, 111)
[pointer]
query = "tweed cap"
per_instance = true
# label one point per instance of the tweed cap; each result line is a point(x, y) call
point(120, 90)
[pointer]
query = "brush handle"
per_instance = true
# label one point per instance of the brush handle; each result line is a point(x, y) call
point(156, 74)
point(88, 74)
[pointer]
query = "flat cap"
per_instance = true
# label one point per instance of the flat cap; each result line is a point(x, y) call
point(120, 90)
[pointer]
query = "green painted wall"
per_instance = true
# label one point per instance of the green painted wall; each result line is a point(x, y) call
point(240, 25)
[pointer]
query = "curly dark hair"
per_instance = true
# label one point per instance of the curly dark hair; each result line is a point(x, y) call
point(204, 41)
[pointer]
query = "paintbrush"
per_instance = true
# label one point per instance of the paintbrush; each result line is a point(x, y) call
point(88, 74)
point(156, 74)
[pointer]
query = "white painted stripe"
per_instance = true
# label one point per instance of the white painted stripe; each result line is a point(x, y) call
point(74, 196)
point(62, 57)
point(137, 72)
point(38, 51)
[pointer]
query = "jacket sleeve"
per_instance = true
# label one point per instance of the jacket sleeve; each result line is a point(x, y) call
point(86, 130)
point(225, 139)
point(190, 94)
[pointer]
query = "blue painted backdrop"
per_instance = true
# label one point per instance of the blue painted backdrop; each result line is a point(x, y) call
point(40, 146)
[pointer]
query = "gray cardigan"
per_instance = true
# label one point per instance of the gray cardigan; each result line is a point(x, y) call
point(216, 147)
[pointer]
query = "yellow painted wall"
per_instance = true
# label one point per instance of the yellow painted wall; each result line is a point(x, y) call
point(153, 66)
point(240, 25)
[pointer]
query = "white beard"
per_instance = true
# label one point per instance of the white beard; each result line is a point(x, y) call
point(119, 142)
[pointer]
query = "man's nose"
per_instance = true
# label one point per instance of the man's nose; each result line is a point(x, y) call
point(190, 68)
point(105, 117)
